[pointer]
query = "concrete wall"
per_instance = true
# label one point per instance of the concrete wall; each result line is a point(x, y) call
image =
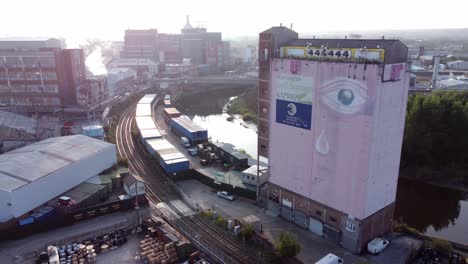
point(326, 121)
point(38, 192)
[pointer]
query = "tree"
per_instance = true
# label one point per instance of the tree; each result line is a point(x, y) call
point(287, 245)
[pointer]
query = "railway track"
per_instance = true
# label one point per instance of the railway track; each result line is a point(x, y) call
point(159, 189)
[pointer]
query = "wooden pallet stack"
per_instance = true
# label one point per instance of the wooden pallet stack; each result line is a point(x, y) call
point(157, 252)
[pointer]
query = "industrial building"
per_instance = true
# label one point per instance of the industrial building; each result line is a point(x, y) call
point(184, 127)
point(38, 75)
point(120, 79)
point(141, 44)
point(331, 120)
point(194, 43)
point(458, 65)
point(228, 153)
point(145, 68)
point(18, 130)
point(32, 175)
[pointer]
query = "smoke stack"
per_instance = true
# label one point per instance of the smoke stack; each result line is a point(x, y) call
point(291, 26)
point(281, 24)
point(435, 73)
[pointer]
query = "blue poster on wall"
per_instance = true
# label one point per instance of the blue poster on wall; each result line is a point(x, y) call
point(294, 114)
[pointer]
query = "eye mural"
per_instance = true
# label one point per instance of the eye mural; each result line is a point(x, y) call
point(344, 96)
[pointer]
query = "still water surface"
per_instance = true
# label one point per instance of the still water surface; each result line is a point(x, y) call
point(434, 211)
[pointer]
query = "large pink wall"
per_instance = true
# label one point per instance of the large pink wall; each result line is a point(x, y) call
point(330, 163)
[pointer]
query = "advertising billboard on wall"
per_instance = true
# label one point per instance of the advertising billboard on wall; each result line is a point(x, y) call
point(294, 100)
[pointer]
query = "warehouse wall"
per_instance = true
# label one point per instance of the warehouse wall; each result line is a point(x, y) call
point(33, 195)
point(5, 210)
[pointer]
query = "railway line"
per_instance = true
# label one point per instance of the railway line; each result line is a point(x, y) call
point(159, 188)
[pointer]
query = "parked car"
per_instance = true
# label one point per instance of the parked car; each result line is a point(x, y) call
point(203, 162)
point(185, 142)
point(192, 151)
point(225, 195)
point(66, 201)
point(377, 245)
point(330, 259)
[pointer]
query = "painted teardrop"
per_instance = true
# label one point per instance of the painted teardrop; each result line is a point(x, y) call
point(322, 145)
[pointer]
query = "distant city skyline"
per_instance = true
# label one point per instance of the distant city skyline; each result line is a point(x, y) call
point(77, 21)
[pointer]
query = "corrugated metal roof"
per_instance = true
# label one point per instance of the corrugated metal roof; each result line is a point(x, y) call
point(19, 122)
point(188, 124)
point(25, 165)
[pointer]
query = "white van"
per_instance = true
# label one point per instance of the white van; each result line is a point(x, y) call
point(330, 259)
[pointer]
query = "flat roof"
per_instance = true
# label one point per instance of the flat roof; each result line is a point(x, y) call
point(145, 122)
point(28, 164)
point(188, 124)
point(143, 110)
point(344, 43)
point(231, 149)
point(147, 99)
point(171, 111)
point(150, 133)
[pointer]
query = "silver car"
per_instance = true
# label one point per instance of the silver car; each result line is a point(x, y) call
point(225, 195)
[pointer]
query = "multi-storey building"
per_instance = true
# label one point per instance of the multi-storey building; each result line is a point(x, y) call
point(141, 44)
point(40, 76)
point(193, 43)
point(331, 120)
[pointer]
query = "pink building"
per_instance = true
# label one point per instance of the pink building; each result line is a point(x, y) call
point(331, 123)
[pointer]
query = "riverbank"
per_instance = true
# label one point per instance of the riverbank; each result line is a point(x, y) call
point(435, 178)
point(245, 105)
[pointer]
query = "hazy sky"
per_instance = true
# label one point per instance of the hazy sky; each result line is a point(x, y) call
point(76, 20)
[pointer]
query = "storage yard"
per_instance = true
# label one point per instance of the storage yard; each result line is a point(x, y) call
point(161, 191)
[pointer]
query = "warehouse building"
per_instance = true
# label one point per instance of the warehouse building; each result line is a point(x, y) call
point(458, 65)
point(35, 174)
point(184, 127)
point(228, 153)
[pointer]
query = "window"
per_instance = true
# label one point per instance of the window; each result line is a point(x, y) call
point(350, 226)
point(318, 213)
point(333, 219)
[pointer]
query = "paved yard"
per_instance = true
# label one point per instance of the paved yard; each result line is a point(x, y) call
point(313, 247)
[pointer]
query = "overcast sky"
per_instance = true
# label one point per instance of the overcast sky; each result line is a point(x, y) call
point(77, 20)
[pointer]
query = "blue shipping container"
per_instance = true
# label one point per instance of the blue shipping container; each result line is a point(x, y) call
point(192, 136)
point(26, 221)
point(175, 167)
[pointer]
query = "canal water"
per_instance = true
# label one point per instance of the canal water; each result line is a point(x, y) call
point(208, 111)
point(432, 210)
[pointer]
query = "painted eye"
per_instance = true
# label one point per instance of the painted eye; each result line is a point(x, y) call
point(344, 96)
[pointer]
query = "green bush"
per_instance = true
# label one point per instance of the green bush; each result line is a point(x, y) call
point(286, 245)
point(247, 231)
point(207, 214)
point(221, 222)
point(401, 227)
point(439, 244)
point(121, 161)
